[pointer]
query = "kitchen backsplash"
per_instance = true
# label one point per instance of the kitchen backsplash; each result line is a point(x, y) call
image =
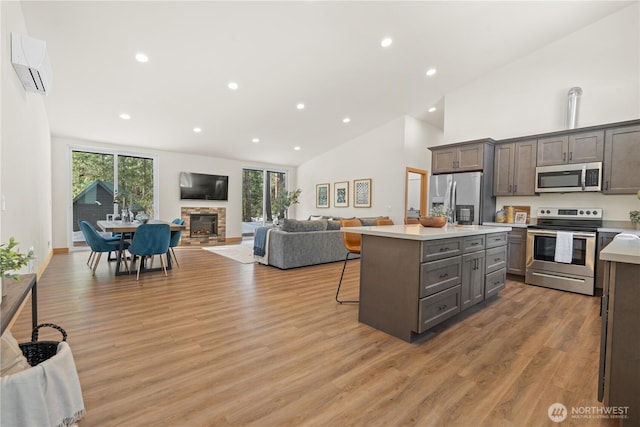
point(615, 207)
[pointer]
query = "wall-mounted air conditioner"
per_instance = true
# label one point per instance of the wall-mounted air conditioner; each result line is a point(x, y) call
point(31, 62)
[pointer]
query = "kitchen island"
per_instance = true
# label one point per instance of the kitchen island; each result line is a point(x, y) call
point(413, 278)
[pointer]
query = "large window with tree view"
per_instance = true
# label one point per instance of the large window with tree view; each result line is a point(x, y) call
point(100, 180)
point(262, 198)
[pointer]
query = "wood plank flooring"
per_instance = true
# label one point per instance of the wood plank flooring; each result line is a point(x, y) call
point(220, 343)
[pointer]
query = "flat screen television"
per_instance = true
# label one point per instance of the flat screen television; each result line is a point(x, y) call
point(201, 186)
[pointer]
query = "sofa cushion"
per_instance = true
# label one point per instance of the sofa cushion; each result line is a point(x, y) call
point(333, 225)
point(371, 220)
point(296, 226)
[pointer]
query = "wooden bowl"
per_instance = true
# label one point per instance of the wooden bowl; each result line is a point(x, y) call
point(433, 221)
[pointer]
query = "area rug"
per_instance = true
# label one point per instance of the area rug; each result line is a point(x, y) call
point(242, 253)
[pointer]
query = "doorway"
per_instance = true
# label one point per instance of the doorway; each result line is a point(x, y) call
point(415, 194)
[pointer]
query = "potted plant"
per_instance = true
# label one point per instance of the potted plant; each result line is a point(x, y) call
point(11, 260)
point(437, 217)
point(284, 200)
point(634, 215)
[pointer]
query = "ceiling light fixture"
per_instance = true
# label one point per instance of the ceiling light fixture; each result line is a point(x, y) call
point(197, 130)
point(300, 106)
point(125, 116)
point(346, 120)
point(386, 42)
point(141, 57)
point(233, 85)
point(297, 148)
point(255, 140)
point(431, 72)
point(432, 109)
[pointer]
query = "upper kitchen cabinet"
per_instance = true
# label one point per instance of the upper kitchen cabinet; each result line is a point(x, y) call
point(621, 160)
point(462, 157)
point(514, 169)
point(573, 148)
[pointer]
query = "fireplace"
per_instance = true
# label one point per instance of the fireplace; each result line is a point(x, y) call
point(203, 225)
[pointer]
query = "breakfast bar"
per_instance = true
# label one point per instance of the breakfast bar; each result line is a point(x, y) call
point(413, 277)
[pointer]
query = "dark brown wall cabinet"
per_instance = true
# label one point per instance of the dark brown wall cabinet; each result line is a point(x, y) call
point(621, 160)
point(573, 148)
point(515, 169)
point(462, 157)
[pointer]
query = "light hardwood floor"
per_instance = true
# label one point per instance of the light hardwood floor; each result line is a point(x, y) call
point(220, 343)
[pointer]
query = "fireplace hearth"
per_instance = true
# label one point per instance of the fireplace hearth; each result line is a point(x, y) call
point(203, 225)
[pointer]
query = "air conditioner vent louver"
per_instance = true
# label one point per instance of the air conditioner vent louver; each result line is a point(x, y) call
point(31, 62)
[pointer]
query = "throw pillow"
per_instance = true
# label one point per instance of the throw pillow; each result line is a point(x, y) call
point(297, 226)
point(11, 357)
point(315, 217)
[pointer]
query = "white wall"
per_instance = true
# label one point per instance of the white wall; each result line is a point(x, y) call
point(381, 154)
point(529, 96)
point(25, 168)
point(170, 164)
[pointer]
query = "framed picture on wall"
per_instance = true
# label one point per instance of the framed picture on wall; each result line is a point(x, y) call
point(362, 193)
point(322, 195)
point(341, 194)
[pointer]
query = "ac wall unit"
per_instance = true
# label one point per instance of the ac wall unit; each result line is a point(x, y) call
point(31, 62)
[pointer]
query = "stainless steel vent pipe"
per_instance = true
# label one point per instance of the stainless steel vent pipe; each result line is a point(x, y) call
point(572, 106)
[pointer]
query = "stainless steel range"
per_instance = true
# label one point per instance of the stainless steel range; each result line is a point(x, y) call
point(561, 249)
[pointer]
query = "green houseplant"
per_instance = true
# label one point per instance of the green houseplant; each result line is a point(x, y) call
point(634, 215)
point(285, 200)
point(11, 261)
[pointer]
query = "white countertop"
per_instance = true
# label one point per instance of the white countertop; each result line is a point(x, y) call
point(418, 232)
point(505, 224)
point(622, 250)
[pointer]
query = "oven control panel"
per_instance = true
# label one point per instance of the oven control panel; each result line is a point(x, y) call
point(575, 213)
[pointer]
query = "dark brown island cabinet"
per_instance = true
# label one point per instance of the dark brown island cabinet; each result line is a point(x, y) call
point(412, 279)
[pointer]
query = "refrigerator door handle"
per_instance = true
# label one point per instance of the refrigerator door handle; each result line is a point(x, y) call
point(453, 203)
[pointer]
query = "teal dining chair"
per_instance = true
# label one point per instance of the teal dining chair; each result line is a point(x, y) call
point(99, 244)
point(150, 240)
point(175, 239)
point(92, 255)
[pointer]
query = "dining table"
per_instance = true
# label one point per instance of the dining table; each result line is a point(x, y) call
point(127, 230)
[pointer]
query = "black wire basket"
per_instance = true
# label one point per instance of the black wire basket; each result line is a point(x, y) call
point(38, 351)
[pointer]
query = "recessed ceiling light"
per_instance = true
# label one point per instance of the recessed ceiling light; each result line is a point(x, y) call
point(346, 120)
point(125, 116)
point(197, 130)
point(431, 72)
point(432, 109)
point(297, 148)
point(141, 57)
point(233, 85)
point(300, 106)
point(386, 42)
point(255, 140)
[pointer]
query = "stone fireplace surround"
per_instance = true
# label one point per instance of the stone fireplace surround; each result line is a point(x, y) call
point(220, 239)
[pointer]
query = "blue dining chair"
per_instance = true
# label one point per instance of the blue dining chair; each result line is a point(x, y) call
point(150, 240)
point(99, 244)
point(175, 238)
point(115, 238)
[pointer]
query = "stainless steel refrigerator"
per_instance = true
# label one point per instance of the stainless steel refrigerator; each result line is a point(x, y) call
point(468, 197)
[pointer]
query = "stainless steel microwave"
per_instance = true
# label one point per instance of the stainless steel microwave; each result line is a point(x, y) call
point(569, 178)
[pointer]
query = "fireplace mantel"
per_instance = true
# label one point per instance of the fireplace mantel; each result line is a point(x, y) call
point(219, 238)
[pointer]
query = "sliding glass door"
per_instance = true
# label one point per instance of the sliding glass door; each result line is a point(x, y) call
point(101, 179)
point(260, 192)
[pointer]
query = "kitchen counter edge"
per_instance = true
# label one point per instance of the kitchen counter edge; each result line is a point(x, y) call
point(418, 232)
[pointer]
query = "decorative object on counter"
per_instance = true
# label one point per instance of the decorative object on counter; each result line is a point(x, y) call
point(516, 209)
point(634, 216)
point(510, 215)
point(142, 217)
point(501, 215)
point(437, 217)
point(11, 260)
point(520, 218)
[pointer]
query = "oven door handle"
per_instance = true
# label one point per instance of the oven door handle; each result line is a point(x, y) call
point(553, 233)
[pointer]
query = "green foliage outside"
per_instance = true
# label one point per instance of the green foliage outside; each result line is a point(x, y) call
point(278, 198)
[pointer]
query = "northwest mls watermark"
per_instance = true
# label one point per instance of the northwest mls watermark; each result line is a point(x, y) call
point(557, 412)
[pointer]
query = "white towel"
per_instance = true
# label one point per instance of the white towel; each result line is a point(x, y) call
point(564, 247)
point(48, 394)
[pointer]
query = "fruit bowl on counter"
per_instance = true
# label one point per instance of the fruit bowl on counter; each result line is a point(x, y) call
point(433, 221)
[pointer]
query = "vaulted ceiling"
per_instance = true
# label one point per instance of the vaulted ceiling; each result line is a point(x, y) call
point(327, 55)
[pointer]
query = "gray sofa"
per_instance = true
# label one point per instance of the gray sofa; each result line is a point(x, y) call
point(299, 243)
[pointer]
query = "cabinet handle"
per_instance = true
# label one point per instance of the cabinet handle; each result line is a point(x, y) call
point(570, 155)
point(444, 249)
point(496, 283)
point(606, 185)
point(475, 243)
point(442, 307)
point(564, 157)
point(510, 186)
point(496, 259)
point(515, 188)
point(442, 276)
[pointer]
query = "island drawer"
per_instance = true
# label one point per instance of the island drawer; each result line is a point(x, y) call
point(496, 258)
point(494, 282)
point(438, 308)
point(496, 239)
point(441, 248)
point(439, 275)
point(473, 243)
